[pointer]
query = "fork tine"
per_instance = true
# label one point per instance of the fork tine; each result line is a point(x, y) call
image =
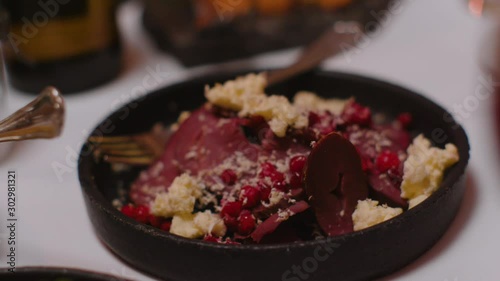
point(120, 146)
point(139, 149)
point(143, 160)
point(127, 153)
point(110, 139)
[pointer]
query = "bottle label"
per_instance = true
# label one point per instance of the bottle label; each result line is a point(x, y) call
point(47, 30)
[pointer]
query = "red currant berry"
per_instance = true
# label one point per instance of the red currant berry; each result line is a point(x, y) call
point(386, 161)
point(366, 164)
point(142, 214)
point(250, 196)
point(210, 238)
point(280, 185)
point(246, 223)
point(155, 221)
point(166, 226)
point(277, 177)
point(265, 192)
point(267, 169)
point(297, 164)
point(296, 182)
point(232, 209)
point(357, 114)
point(229, 177)
point(231, 223)
point(128, 210)
point(405, 119)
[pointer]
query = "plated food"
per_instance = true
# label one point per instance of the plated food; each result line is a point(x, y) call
point(247, 167)
point(376, 248)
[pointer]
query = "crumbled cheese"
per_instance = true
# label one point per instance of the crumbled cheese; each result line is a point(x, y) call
point(182, 117)
point(198, 224)
point(179, 199)
point(208, 198)
point(117, 203)
point(282, 165)
point(239, 160)
point(192, 154)
point(246, 95)
point(235, 94)
point(424, 168)
point(183, 225)
point(210, 223)
point(312, 102)
point(369, 213)
point(417, 200)
point(284, 215)
point(274, 197)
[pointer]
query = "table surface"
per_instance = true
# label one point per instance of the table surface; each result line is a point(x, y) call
point(433, 47)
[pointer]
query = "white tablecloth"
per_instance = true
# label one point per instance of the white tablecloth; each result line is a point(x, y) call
point(430, 46)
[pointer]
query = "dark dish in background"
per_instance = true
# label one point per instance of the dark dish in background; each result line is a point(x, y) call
point(207, 31)
point(55, 274)
point(362, 255)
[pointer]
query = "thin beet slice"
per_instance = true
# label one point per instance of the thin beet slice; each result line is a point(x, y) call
point(272, 223)
point(387, 191)
point(334, 183)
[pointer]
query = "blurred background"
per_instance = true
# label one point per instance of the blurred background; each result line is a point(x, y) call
point(77, 45)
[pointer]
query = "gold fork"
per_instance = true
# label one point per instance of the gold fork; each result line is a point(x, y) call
point(42, 118)
point(143, 149)
point(138, 149)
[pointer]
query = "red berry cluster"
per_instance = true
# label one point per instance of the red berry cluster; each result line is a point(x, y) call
point(228, 177)
point(355, 113)
point(237, 219)
point(322, 123)
point(277, 178)
point(405, 119)
point(297, 165)
point(387, 161)
point(237, 215)
point(142, 215)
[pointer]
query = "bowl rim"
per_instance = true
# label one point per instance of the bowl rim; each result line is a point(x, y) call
point(89, 186)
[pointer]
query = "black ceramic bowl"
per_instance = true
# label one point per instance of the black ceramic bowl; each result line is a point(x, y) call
point(54, 274)
point(362, 255)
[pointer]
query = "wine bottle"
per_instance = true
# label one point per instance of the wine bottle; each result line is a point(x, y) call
point(73, 45)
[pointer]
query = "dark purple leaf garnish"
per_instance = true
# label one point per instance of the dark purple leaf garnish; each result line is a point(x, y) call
point(335, 182)
point(387, 190)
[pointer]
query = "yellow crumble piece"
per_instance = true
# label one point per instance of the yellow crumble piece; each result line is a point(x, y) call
point(210, 223)
point(198, 225)
point(246, 95)
point(183, 225)
point(424, 169)
point(368, 213)
point(312, 102)
point(179, 199)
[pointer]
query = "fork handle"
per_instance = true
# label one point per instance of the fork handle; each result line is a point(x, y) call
point(41, 118)
point(333, 41)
